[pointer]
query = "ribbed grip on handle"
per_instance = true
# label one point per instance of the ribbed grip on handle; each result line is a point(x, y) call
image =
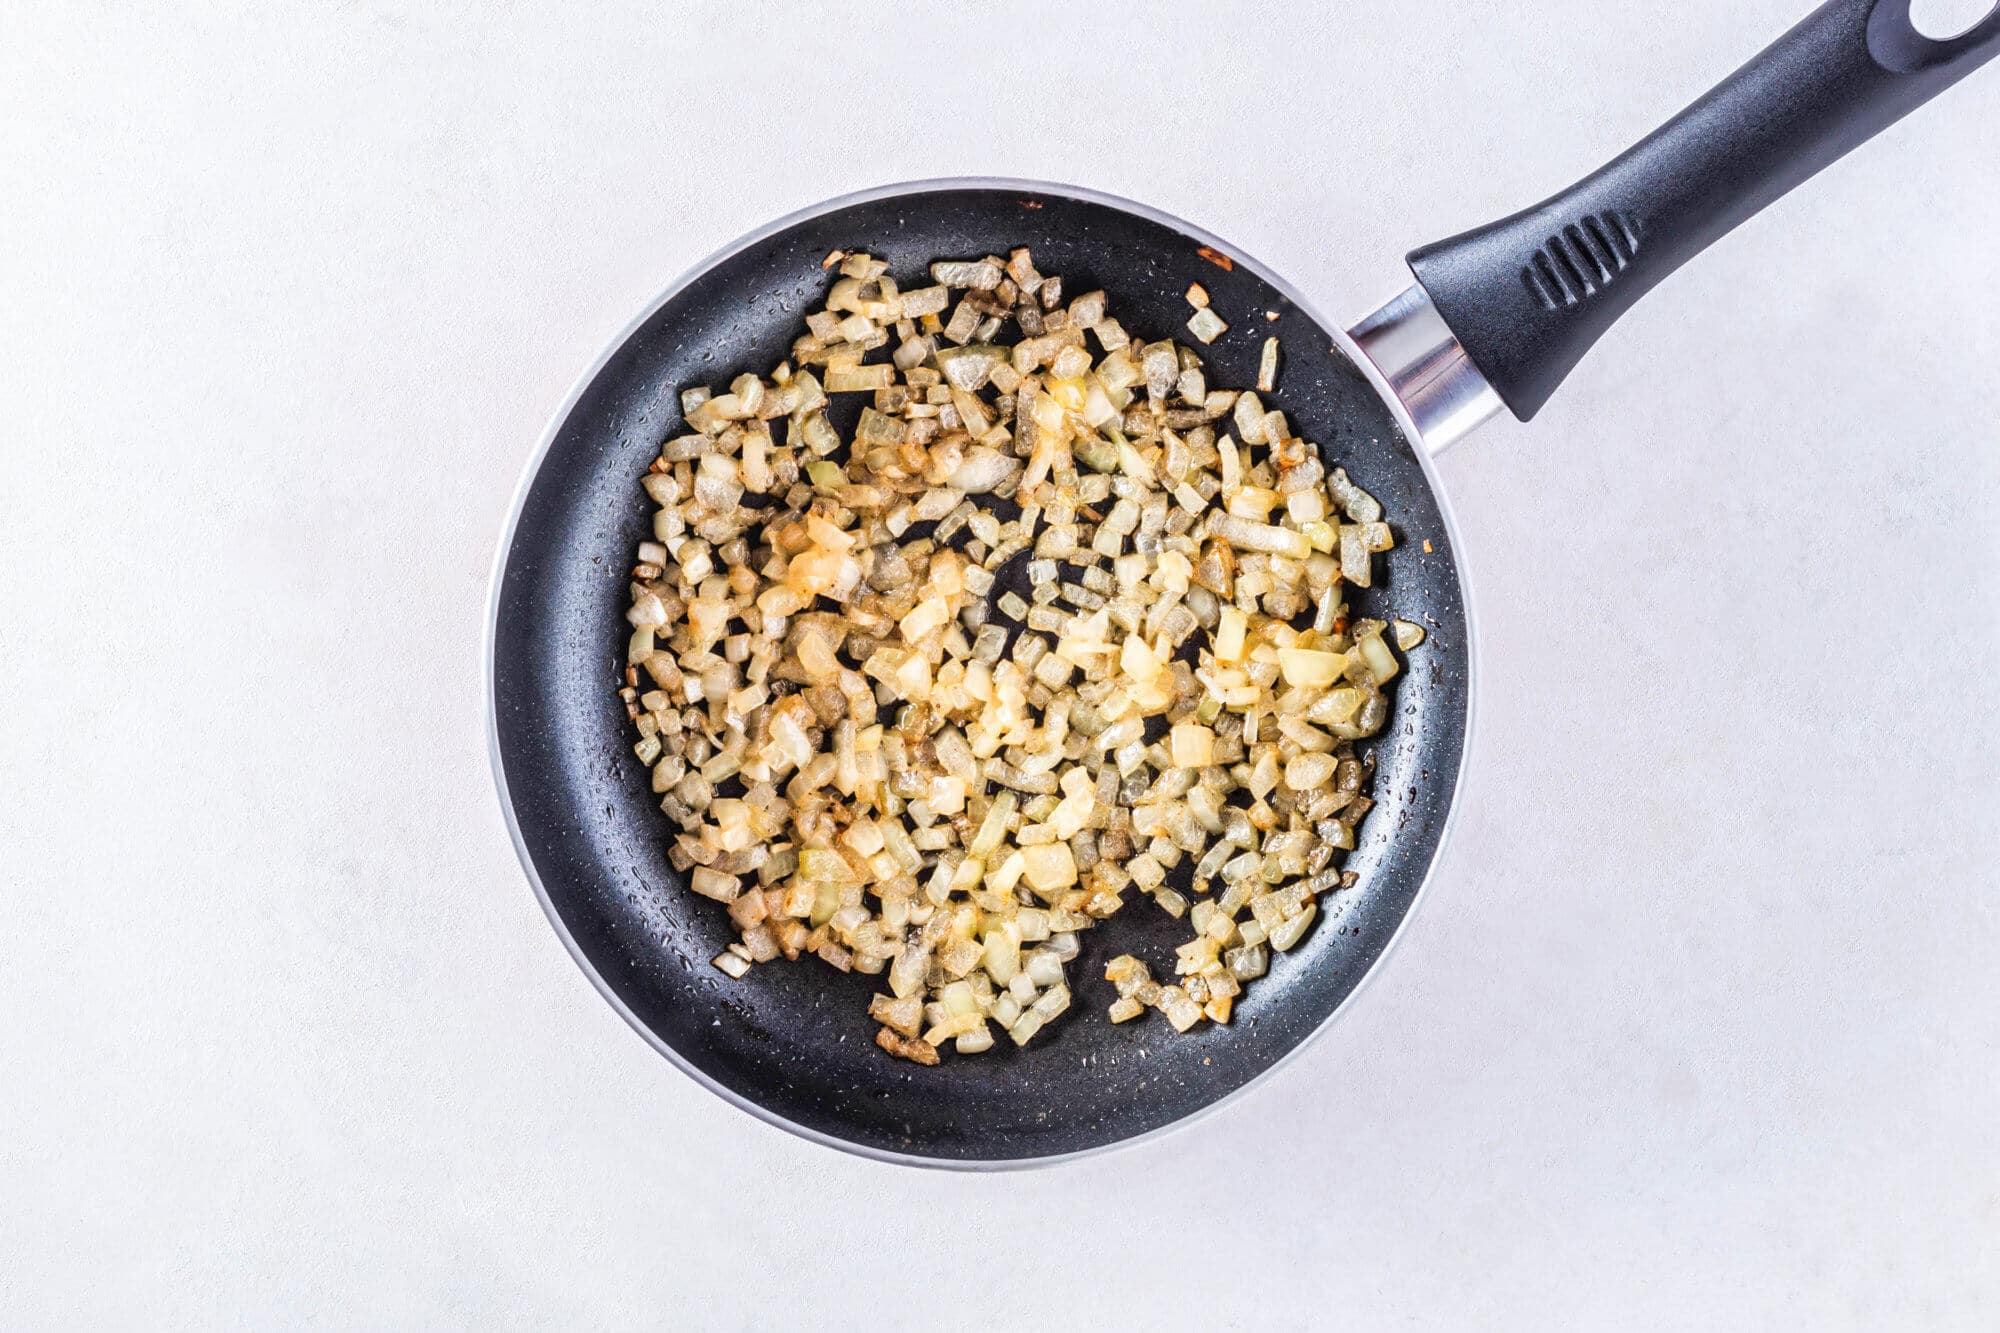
point(1528, 295)
point(1582, 259)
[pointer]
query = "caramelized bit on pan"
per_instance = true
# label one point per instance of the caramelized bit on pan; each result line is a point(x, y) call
point(906, 1048)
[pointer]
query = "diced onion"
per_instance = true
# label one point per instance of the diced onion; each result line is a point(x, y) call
point(881, 750)
point(1207, 325)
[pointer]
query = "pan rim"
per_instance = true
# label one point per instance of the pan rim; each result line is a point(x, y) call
point(532, 471)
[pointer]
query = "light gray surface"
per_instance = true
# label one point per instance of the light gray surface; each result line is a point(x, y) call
point(1699, 1027)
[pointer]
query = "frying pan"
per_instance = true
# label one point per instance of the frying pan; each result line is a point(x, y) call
point(1496, 317)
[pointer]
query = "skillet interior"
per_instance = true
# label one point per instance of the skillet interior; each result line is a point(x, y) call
point(792, 1041)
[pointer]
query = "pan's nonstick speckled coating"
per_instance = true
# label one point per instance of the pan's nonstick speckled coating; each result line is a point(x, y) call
point(793, 1041)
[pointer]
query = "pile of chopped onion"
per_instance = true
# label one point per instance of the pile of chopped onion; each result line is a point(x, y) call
point(1055, 624)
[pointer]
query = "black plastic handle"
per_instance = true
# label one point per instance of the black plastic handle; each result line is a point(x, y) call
point(1529, 294)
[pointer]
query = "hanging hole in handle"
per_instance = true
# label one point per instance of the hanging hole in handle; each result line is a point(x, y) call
point(1948, 20)
point(1898, 42)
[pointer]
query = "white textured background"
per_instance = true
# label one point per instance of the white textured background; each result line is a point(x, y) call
point(1699, 1028)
